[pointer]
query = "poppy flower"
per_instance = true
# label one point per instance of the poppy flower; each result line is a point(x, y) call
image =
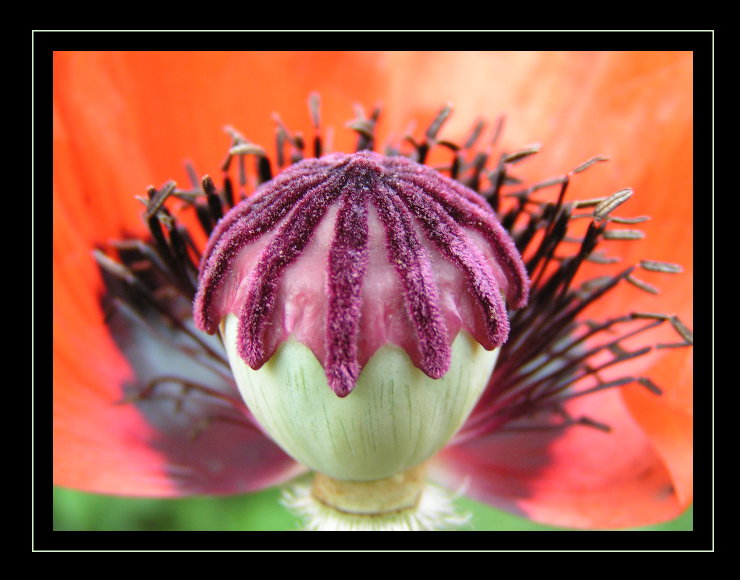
point(142, 406)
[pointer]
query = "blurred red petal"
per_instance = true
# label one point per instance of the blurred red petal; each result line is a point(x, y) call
point(668, 420)
point(635, 108)
point(579, 477)
point(92, 435)
point(101, 444)
point(105, 445)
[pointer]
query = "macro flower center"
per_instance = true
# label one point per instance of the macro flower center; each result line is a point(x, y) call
point(378, 278)
point(363, 301)
point(351, 252)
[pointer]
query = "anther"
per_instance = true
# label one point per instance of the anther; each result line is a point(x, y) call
point(589, 163)
point(683, 331)
point(629, 221)
point(665, 267)
point(650, 385)
point(642, 285)
point(512, 158)
point(624, 235)
point(603, 209)
point(159, 197)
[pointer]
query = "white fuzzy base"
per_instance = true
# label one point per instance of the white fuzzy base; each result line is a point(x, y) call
point(435, 512)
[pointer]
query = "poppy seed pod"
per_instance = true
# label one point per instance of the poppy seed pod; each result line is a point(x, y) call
point(362, 300)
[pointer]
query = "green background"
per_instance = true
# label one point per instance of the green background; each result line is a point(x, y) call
point(78, 511)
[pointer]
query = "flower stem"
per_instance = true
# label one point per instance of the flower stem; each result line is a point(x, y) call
point(371, 498)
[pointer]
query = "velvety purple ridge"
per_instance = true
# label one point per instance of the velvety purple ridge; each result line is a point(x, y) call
point(290, 208)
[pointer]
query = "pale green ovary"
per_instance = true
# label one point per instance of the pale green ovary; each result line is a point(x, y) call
point(394, 419)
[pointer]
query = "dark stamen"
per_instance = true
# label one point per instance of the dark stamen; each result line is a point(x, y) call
point(214, 201)
point(314, 105)
point(192, 175)
point(228, 192)
point(143, 293)
point(650, 385)
point(187, 386)
point(422, 149)
point(204, 215)
point(474, 135)
point(365, 128)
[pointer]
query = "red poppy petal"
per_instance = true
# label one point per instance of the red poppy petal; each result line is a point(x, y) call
point(92, 433)
point(637, 109)
point(580, 477)
point(164, 445)
point(669, 421)
point(101, 444)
